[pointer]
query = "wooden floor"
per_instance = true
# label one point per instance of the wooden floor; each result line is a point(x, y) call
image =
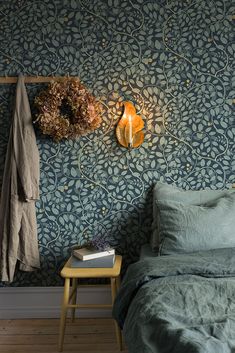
point(41, 335)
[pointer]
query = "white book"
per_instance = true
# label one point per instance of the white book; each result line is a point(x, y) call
point(101, 262)
point(88, 254)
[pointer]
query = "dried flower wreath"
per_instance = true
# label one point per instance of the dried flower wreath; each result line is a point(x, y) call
point(67, 110)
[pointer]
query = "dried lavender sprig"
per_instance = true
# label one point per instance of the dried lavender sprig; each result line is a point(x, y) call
point(98, 243)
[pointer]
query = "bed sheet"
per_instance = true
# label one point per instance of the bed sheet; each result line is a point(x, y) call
point(179, 303)
point(146, 251)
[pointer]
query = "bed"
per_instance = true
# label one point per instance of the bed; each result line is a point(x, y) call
point(181, 297)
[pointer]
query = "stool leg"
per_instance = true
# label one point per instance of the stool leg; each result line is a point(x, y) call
point(118, 282)
point(74, 297)
point(117, 328)
point(63, 313)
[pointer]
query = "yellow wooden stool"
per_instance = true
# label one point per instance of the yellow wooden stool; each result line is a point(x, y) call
point(71, 273)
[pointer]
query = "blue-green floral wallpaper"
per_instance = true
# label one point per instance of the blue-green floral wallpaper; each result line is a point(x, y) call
point(174, 60)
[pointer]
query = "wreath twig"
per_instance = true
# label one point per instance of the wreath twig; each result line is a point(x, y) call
point(66, 109)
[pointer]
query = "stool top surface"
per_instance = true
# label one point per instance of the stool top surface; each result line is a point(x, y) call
point(75, 272)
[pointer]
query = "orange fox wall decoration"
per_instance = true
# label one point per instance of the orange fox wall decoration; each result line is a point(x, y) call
point(129, 127)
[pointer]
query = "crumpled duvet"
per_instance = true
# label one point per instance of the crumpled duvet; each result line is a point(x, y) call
point(179, 303)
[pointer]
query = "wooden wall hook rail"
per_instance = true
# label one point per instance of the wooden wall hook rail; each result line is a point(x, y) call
point(32, 79)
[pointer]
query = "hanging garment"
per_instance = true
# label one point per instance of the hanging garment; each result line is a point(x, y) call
point(20, 189)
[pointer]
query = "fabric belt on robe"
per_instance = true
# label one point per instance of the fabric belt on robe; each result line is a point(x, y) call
point(20, 189)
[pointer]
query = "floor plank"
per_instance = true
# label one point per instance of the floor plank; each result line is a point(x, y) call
point(41, 335)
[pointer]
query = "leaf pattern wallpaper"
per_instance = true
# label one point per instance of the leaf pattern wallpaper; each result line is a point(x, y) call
point(174, 60)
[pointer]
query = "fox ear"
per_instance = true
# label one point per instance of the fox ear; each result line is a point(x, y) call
point(128, 131)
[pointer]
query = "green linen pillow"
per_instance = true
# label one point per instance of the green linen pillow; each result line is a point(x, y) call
point(164, 194)
point(189, 228)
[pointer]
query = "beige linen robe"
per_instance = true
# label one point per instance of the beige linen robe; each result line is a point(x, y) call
point(20, 189)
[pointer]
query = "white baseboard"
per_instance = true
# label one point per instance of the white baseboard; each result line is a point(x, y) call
point(45, 302)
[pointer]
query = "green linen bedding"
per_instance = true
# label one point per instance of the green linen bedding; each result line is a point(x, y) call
point(179, 303)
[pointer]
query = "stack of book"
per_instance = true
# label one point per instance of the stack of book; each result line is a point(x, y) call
point(87, 258)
